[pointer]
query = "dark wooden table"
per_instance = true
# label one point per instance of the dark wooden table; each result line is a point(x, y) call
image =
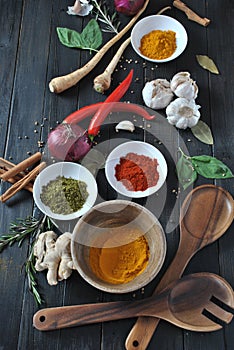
point(30, 55)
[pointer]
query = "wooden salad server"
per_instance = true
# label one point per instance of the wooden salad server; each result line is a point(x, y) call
point(206, 214)
point(185, 303)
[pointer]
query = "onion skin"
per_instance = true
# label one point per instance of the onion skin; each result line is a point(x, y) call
point(129, 7)
point(69, 142)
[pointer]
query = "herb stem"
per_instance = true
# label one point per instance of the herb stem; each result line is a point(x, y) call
point(183, 154)
point(103, 16)
point(31, 228)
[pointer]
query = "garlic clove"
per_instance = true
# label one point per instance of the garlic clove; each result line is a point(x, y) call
point(125, 125)
point(182, 123)
point(157, 94)
point(80, 8)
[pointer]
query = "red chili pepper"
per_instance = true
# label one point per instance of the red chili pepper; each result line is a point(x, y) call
point(104, 110)
point(87, 111)
point(82, 113)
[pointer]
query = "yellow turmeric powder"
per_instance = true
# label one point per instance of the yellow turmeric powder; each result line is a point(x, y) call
point(158, 44)
point(118, 263)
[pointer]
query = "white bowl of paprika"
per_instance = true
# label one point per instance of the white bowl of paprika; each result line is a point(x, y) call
point(118, 246)
point(136, 169)
point(159, 38)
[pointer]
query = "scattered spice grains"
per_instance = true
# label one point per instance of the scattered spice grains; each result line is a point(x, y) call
point(137, 172)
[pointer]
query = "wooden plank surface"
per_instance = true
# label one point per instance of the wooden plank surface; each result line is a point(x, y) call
point(30, 56)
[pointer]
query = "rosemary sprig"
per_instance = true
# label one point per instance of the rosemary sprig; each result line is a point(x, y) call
point(102, 15)
point(18, 232)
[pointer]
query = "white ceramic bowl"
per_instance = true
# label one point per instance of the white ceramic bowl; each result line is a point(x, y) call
point(141, 148)
point(67, 169)
point(159, 22)
point(94, 225)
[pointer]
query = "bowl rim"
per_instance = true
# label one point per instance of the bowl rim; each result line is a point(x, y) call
point(162, 168)
point(169, 18)
point(59, 165)
point(129, 286)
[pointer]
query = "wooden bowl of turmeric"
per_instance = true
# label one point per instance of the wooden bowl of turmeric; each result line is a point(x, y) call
point(159, 38)
point(118, 246)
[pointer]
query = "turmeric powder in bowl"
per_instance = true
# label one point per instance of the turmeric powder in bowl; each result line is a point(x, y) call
point(158, 44)
point(117, 262)
point(159, 38)
point(118, 246)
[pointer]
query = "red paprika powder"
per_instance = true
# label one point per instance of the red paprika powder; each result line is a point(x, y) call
point(137, 172)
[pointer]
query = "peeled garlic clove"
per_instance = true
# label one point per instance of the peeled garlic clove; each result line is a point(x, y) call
point(80, 8)
point(157, 94)
point(183, 113)
point(125, 125)
point(183, 86)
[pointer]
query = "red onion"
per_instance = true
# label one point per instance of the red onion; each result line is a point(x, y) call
point(129, 7)
point(69, 142)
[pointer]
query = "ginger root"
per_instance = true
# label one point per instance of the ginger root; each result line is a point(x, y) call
point(54, 253)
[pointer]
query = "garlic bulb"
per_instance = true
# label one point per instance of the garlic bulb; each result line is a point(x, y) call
point(157, 93)
point(183, 86)
point(183, 113)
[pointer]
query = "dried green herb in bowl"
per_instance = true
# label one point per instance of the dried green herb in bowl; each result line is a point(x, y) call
point(65, 190)
point(64, 195)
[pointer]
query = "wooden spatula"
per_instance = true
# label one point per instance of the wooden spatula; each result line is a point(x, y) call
point(182, 303)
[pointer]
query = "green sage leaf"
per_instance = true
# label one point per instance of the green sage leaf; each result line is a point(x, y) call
point(69, 38)
point(92, 35)
point(211, 167)
point(185, 172)
point(207, 63)
point(89, 39)
point(203, 133)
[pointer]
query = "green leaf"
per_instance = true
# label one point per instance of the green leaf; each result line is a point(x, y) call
point(203, 133)
point(68, 37)
point(207, 63)
point(185, 171)
point(211, 167)
point(89, 39)
point(92, 35)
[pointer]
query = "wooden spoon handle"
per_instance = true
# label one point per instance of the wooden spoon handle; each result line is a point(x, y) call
point(70, 316)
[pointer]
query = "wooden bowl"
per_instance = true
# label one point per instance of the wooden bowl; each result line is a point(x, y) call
point(94, 225)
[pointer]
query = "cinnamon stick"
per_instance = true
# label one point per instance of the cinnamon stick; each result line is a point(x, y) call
point(28, 187)
point(191, 14)
point(16, 187)
point(21, 166)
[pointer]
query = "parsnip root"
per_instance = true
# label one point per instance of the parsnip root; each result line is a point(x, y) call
point(103, 81)
point(64, 82)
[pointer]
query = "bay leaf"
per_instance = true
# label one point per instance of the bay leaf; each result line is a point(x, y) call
point(203, 133)
point(185, 172)
point(207, 63)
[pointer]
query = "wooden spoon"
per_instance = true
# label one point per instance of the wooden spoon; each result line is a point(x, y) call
point(182, 303)
point(206, 214)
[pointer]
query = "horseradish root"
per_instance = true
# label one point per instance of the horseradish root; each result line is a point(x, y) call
point(64, 82)
point(103, 81)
